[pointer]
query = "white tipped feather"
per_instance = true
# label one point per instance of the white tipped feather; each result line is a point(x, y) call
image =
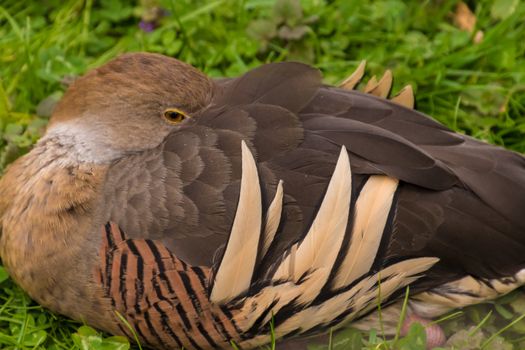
point(273, 217)
point(350, 82)
point(320, 247)
point(371, 214)
point(236, 268)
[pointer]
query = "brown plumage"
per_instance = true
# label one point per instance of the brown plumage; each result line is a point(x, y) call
point(197, 242)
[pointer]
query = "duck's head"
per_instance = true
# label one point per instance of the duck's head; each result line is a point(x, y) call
point(129, 105)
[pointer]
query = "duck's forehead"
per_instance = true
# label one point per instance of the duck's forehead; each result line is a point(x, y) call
point(149, 74)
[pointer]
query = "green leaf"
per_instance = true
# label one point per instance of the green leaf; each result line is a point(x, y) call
point(518, 304)
point(87, 338)
point(499, 343)
point(288, 11)
point(502, 9)
point(86, 331)
point(35, 338)
point(5, 105)
point(519, 327)
point(116, 343)
point(506, 314)
point(12, 130)
point(465, 339)
point(295, 33)
point(4, 276)
point(262, 29)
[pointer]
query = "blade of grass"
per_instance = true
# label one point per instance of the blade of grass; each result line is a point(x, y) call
point(131, 329)
point(493, 336)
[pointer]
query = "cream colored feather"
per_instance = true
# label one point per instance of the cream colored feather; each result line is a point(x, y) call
point(319, 248)
point(463, 292)
point(327, 228)
point(236, 268)
point(275, 297)
point(350, 82)
point(371, 84)
point(383, 87)
point(360, 298)
point(405, 97)
point(390, 279)
point(273, 217)
point(363, 294)
point(371, 214)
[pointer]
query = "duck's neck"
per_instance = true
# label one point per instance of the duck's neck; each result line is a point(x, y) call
point(47, 204)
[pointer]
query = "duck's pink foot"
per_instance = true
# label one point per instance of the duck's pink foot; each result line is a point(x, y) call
point(435, 335)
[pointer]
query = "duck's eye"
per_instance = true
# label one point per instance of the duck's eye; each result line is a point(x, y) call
point(174, 116)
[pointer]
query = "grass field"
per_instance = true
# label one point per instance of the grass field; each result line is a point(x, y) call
point(470, 77)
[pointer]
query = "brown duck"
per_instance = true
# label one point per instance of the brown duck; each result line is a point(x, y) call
point(197, 213)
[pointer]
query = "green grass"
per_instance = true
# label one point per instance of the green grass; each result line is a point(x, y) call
point(477, 89)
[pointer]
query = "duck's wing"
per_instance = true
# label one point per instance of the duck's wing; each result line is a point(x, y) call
point(385, 138)
point(168, 303)
point(456, 194)
point(444, 158)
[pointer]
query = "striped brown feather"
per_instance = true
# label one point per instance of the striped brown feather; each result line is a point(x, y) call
point(165, 300)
